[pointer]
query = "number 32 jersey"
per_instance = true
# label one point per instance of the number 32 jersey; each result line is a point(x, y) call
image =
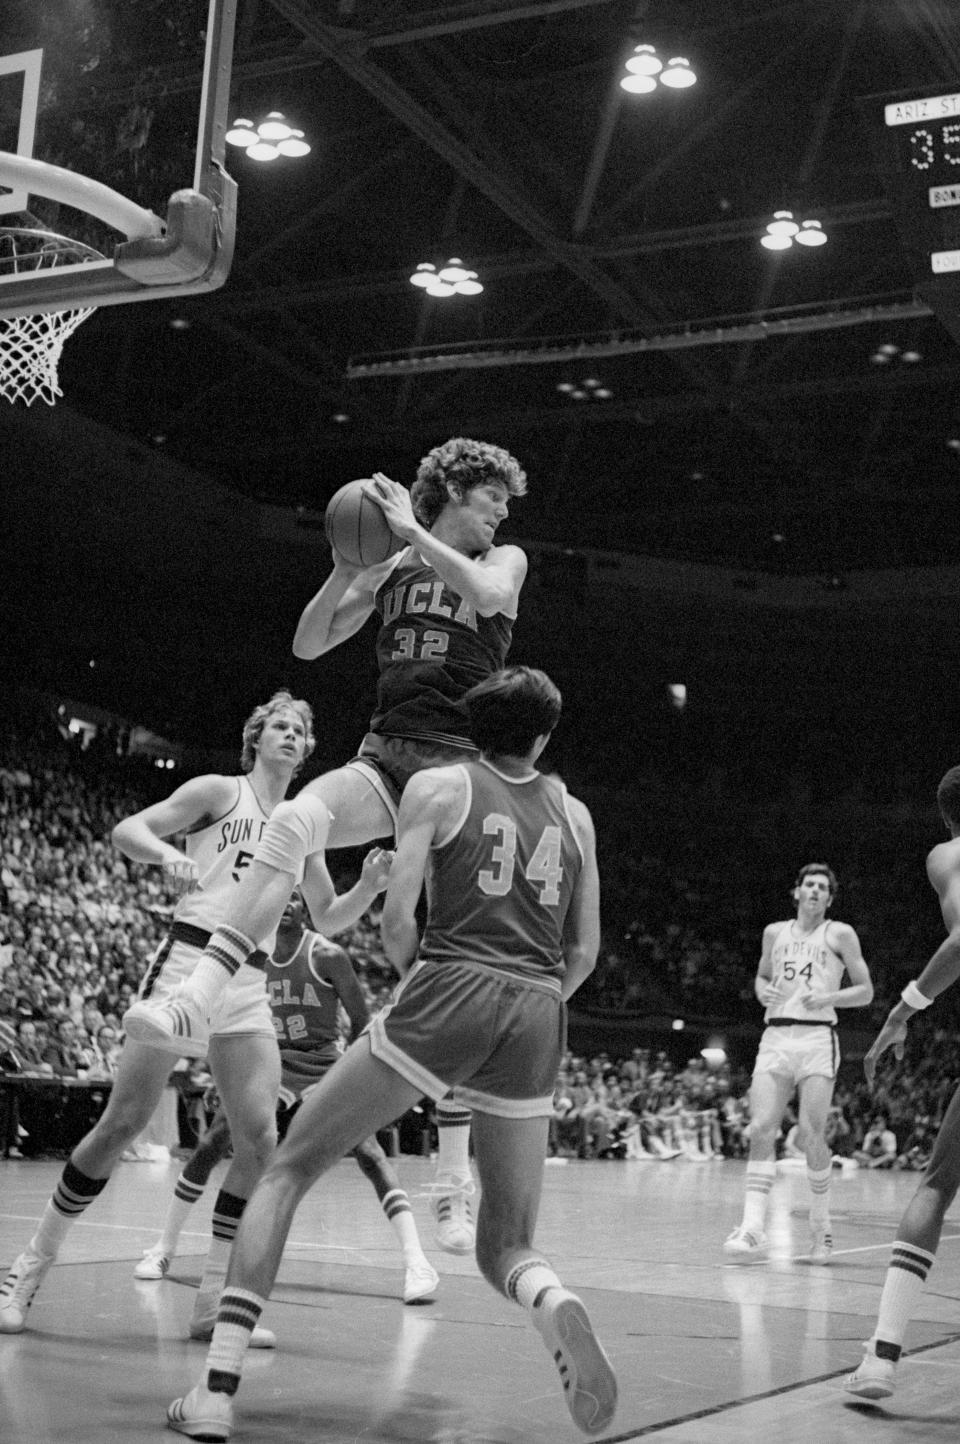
point(500, 884)
point(802, 962)
point(432, 647)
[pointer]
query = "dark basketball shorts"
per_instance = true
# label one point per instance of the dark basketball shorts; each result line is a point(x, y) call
point(388, 763)
point(494, 1035)
point(300, 1074)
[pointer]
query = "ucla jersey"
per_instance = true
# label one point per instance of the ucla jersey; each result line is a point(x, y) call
point(804, 962)
point(221, 850)
point(305, 1006)
point(500, 884)
point(432, 647)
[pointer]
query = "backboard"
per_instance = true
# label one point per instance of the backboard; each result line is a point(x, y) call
point(112, 123)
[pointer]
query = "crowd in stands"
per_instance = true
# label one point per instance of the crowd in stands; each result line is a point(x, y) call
point(78, 922)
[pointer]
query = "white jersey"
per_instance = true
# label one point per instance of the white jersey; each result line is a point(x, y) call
point(803, 962)
point(221, 851)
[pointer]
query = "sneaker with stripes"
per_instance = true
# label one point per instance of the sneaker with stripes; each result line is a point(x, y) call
point(589, 1383)
point(176, 1026)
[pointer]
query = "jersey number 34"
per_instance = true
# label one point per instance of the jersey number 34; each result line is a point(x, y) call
point(545, 867)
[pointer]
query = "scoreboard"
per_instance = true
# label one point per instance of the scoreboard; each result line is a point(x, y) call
point(916, 140)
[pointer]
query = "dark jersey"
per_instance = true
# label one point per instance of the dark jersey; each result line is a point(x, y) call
point(499, 887)
point(432, 647)
point(305, 1006)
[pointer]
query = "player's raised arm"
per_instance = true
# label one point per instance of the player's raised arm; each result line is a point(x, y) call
point(337, 611)
point(489, 581)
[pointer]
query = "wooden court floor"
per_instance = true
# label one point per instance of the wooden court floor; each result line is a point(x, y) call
point(705, 1352)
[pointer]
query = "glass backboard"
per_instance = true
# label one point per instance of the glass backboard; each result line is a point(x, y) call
point(125, 99)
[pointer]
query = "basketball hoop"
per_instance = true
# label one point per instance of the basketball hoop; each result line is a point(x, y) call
point(31, 346)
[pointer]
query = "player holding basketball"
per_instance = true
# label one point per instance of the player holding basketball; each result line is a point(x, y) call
point(222, 818)
point(447, 603)
point(918, 1235)
point(512, 931)
point(309, 978)
point(798, 981)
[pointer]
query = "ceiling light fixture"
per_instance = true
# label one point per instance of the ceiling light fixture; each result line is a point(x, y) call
point(784, 229)
point(453, 279)
point(268, 140)
point(645, 69)
point(590, 389)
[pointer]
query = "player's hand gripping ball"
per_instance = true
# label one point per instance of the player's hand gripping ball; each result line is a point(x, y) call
point(357, 528)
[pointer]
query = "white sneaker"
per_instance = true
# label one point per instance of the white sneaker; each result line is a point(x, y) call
point(456, 1231)
point(874, 1378)
point(588, 1379)
point(202, 1415)
point(178, 1026)
point(154, 1265)
point(18, 1289)
point(745, 1243)
point(821, 1244)
point(420, 1282)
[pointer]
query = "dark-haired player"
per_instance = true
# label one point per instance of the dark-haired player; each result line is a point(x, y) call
point(799, 982)
point(512, 931)
point(918, 1236)
point(446, 604)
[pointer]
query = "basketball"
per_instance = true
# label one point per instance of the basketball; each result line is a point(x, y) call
point(357, 528)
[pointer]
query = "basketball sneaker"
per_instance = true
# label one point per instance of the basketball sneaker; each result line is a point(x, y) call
point(821, 1243)
point(154, 1264)
point(744, 1244)
point(202, 1415)
point(420, 1282)
point(178, 1026)
point(18, 1289)
point(589, 1384)
point(874, 1378)
point(449, 1196)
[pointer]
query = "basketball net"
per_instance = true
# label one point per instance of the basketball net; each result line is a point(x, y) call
point(31, 346)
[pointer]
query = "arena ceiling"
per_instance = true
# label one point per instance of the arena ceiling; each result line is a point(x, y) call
point(617, 239)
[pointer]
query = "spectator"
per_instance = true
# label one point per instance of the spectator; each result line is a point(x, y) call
point(879, 1146)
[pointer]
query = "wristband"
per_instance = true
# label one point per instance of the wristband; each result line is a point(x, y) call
point(913, 997)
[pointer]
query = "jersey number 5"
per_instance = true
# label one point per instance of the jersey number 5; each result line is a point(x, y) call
point(545, 866)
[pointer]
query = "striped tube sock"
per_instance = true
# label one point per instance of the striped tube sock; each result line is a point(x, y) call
point(237, 1317)
point(227, 1213)
point(73, 1194)
point(902, 1287)
point(453, 1137)
point(819, 1181)
point(760, 1178)
point(527, 1282)
point(185, 1195)
point(221, 958)
point(396, 1205)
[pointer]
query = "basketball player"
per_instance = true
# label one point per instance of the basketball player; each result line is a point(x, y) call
point(918, 1236)
point(512, 931)
point(447, 603)
point(308, 979)
point(798, 981)
point(222, 818)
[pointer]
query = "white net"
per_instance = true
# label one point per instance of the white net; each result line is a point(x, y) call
point(31, 346)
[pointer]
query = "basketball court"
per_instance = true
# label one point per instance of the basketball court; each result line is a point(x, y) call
point(706, 1352)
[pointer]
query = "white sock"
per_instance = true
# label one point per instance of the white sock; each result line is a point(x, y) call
point(240, 1311)
point(396, 1205)
point(760, 1178)
point(902, 1288)
point(453, 1138)
point(225, 952)
point(528, 1281)
point(819, 1181)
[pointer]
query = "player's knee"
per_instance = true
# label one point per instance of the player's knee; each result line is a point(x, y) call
point(297, 828)
point(256, 1138)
